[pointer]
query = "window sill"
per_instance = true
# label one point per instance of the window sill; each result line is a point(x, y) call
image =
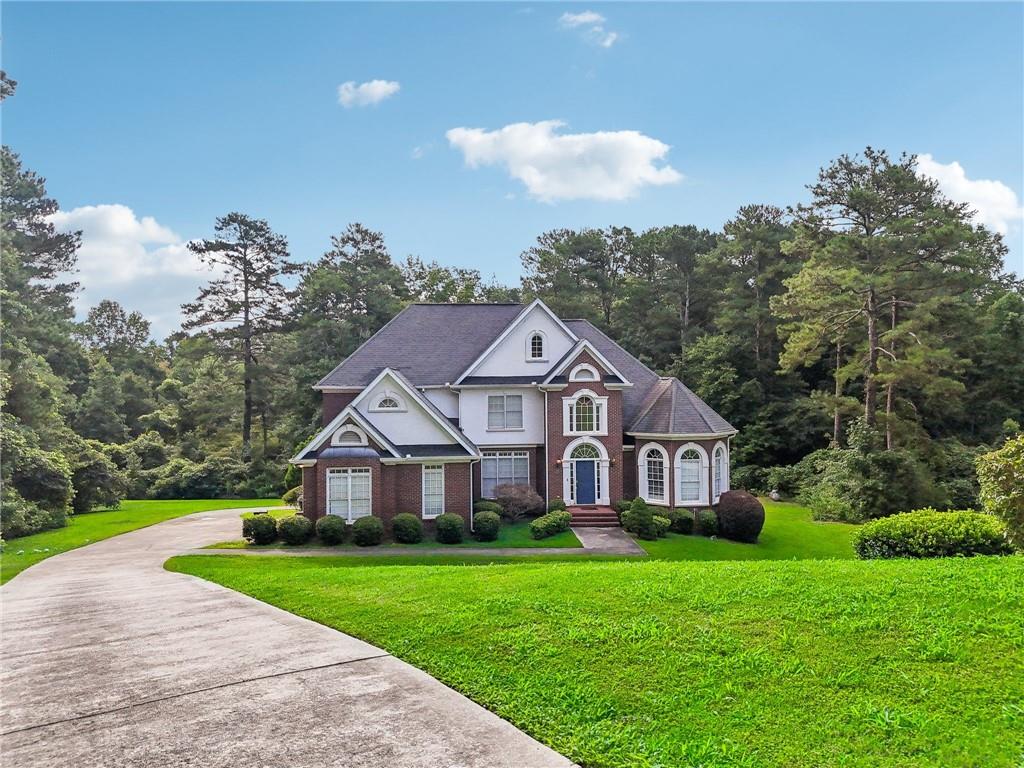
point(656, 502)
point(536, 360)
point(505, 429)
point(585, 434)
point(432, 517)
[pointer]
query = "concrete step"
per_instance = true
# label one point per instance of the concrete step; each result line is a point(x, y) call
point(595, 524)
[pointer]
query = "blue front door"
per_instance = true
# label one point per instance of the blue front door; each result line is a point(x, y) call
point(585, 492)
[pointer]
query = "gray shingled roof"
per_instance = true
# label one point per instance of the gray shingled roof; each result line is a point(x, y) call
point(432, 450)
point(670, 408)
point(430, 343)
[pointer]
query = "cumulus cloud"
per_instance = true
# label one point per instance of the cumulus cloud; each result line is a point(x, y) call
point(137, 261)
point(352, 94)
point(995, 204)
point(581, 19)
point(592, 26)
point(606, 165)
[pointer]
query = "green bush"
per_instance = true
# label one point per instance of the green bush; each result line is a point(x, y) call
point(486, 526)
point(518, 501)
point(1001, 474)
point(707, 522)
point(449, 528)
point(740, 516)
point(621, 506)
point(661, 525)
point(750, 477)
point(407, 528)
point(259, 529)
point(368, 531)
point(486, 505)
point(291, 496)
point(682, 520)
point(550, 524)
point(97, 481)
point(331, 529)
point(639, 519)
point(556, 504)
point(295, 529)
point(928, 533)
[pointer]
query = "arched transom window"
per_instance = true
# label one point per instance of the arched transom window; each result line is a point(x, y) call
point(585, 451)
point(349, 434)
point(654, 475)
point(387, 401)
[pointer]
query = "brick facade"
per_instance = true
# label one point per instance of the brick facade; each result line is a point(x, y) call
point(670, 447)
point(537, 474)
point(334, 403)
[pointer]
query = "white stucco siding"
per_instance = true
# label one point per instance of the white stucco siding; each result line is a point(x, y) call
point(411, 425)
point(473, 417)
point(509, 358)
point(446, 401)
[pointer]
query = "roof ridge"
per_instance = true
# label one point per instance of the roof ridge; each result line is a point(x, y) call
point(466, 304)
point(696, 402)
point(636, 359)
point(672, 410)
point(652, 398)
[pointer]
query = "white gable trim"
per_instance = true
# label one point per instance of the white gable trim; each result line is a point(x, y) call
point(585, 346)
point(348, 412)
point(427, 406)
point(511, 327)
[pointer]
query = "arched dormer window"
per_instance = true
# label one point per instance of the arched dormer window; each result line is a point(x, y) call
point(584, 372)
point(347, 435)
point(387, 401)
point(536, 347)
point(653, 474)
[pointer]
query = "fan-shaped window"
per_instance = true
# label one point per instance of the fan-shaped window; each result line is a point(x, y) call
point(388, 401)
point(583, 372)
point(349, 434)
point(536, 347)
point(689, 476)
point(585, 451)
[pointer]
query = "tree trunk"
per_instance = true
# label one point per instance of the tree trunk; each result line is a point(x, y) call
point(870, 382)
point(757, 319)
point(837, 423)
point(890, 389)
point(684, 318)
point(246, 368)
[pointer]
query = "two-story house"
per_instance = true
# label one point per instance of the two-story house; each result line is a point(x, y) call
point(448, 401)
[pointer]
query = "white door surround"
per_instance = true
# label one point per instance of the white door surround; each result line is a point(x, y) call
point(601, 464)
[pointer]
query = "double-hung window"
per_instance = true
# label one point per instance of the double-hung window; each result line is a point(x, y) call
point(348, 492)
point(503, 468)
point(504, 412)
point(433, 490)
point(689, 476)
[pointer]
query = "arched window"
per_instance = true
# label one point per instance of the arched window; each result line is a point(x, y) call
point(719, 475)
point(536, 346)
point(654, 475)
point(349, 434)
point(689, 476)
point(584, 414)
point(585, 451)
point(583, 372)
point(387, 401)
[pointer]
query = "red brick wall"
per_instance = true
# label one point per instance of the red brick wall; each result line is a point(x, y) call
point(629, 486)
point(333, 404)
point(612, 442)
point(671, 446)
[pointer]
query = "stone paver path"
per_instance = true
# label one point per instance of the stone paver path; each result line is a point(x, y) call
point(109, 660)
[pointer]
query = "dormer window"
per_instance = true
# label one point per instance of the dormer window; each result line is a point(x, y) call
point(348, 435)
point(584, 372)
point(387, 401)
point(536, 347)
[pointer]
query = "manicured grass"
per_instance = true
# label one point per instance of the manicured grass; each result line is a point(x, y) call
point(19, 554)
point(789, 532)
point(514, 535)
point(644, 663)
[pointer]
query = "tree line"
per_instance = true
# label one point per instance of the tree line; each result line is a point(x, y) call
point(867, 344)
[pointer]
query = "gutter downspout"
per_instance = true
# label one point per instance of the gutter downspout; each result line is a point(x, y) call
point(475, 461)
point(547, 474)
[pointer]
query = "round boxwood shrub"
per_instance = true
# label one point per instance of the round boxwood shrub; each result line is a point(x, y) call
point(707, 522)
point(291, 496)
point(486, 526)
point(661, 525)
point(682, 521)
point(486, 505)
point(449, 528)
point(407, 529)
point(368, 531)
point(295, 529)
point(639, 519)
point(550, 524)
point(259, 529)
point(556, 504)
point(928, 533)
point(740, 516)
point(331, 529)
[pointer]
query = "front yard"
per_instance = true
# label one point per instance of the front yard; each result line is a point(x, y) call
point(644, 663)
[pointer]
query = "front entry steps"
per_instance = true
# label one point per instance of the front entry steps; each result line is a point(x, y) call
point(592, 516)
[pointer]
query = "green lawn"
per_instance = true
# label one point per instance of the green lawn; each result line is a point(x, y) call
point(789, 532)
point(515, 535)
point(19, 554)
point(653, 663)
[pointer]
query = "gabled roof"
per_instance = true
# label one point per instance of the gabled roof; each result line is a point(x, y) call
point(346, 413)
point(584, 345)
point(431, 344)
point(670, 408)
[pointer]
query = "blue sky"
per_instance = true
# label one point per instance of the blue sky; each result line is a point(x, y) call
point(149, 120)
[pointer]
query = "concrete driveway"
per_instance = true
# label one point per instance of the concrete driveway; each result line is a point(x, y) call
point(109, 660)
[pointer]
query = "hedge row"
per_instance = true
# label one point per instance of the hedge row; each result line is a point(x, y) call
point(929, 533)
point(367, 531)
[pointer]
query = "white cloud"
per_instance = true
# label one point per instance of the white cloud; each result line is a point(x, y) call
point(607, 165)
point(417, 152)
point(136, 261)
point(995, 204)
point(581, 19)
point(606, 40)
point(352, 94)
point(594, 24)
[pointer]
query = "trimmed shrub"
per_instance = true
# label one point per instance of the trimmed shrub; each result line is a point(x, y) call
point(407, 529)
point(621, 506)
point(368, 531)
point(486, 526)
point(331, 529)
point(556, 504)
point(661, 525)
point(259, 529)
point(295, 529)
point(639, 519)
point(550, 524)
point(740, 516)
point(928, 533)
point(1001, 474)
point(449, 528)
point(486, 505)
point(682, 521)
point(291, 496)
point(517, 501)
point(707, 522)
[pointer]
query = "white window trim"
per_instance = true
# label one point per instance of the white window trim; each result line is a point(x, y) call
point(705, 464)
point(522, 411)
point(641, 474)
point(495, 456)
point(336, 437)
point(347, 471)
point(375, 403)
point(724, 486)
point(601, 465)
point(529, 347)
point(423, 491)
point(569, 402)
point(574, 373)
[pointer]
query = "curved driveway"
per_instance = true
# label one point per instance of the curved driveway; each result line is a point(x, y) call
point(109, 660)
